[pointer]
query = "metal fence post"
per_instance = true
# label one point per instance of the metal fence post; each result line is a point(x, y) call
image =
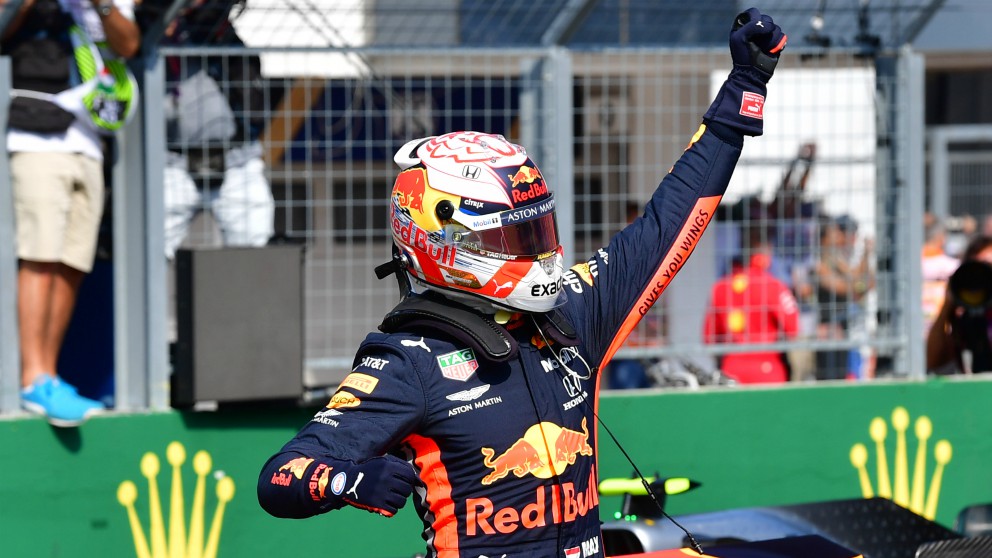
point(140, 351)
point(156, 268)
point(547, 132)
point(10, 375)
point(901, 168)
point(912, 129)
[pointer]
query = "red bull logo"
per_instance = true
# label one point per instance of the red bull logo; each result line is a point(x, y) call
point(318, 482)
point(552, 505)
point(526, 175)
point(409, 189)
point(418, 239)
point(521, 458)
point(297, 466)
point(571, 444)
point(529, 455)
point(536, 190)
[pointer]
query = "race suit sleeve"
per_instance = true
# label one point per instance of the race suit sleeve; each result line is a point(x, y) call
point(378, 404)
point(613, 290)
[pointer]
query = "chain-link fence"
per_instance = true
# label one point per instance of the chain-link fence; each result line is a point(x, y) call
point(286, 133)
point(808, 189)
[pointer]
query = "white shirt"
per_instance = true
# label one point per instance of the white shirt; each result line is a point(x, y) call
point(80, 137)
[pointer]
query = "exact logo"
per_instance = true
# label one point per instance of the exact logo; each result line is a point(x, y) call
point(920, 499)
point(127, 494)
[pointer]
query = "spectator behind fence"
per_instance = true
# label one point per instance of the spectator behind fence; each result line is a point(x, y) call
point(959, 339)
point(69, 87)
point(841, 287)
point(215, 115)
point(751, 306)
point(937, 266)
point(485, 353)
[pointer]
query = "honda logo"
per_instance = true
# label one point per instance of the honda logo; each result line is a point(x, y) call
point(471, 172)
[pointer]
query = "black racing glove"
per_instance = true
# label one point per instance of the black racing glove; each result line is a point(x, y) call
point(755, 45)
point(380, 485)
point(292, 484)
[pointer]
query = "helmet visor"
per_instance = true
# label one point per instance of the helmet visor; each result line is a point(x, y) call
point(516, 236)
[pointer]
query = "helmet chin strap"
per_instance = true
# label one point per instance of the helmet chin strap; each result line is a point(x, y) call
point(396, 266)
point(481, 305)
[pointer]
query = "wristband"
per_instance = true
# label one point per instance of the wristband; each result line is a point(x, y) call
point(740, 102)
point(104, 7)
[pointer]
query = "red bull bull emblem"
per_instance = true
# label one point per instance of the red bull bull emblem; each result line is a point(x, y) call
point(525, 175)
point(529, 454)
point(297, 466)
point(318, 482)
point(409, 189)
point(294, 467)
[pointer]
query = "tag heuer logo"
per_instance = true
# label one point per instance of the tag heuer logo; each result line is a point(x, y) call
point(458, 365)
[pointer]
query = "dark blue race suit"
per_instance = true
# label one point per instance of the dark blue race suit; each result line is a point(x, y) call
point(506, 452)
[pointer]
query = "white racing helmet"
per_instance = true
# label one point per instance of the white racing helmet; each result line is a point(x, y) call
point(472, 218)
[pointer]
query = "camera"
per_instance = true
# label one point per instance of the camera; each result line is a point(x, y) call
point(971, 287)
point(971, 293)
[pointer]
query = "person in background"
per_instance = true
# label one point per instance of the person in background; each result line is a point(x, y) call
point(937, 266)
point(478, 393)
point(841, 287)
point(70, 90)
point(960, 337)
point(985, 228)
point(751, 306)
point(215, 114)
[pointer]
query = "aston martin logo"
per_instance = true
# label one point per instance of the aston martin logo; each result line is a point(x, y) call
point(469, 394)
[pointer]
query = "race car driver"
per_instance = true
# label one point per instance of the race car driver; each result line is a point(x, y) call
point(478, 395)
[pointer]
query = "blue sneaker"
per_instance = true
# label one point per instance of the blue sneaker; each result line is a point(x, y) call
point(58, 402)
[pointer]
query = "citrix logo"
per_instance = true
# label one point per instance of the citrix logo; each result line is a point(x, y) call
point(179, 543)
point(919, 498)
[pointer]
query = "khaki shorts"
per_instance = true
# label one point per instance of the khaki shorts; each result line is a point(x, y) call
point(58, 203)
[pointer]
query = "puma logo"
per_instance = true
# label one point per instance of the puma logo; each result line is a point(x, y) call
point(354, 488)
point(421, 344)
point(507, 285)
